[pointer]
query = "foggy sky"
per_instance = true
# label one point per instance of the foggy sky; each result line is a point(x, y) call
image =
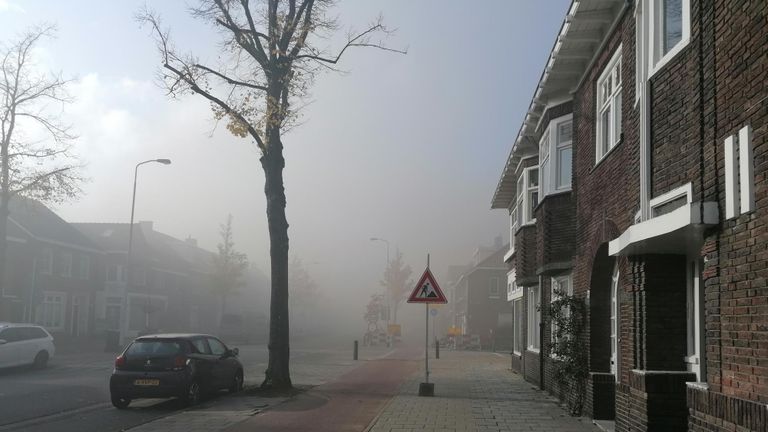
point(407, 148)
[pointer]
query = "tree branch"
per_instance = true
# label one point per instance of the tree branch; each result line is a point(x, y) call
point(353, 42)
point(230, 80)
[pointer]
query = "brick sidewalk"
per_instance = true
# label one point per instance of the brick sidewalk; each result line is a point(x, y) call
point(475, 391)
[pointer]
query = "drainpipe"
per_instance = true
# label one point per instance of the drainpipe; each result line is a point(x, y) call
point(541, 333)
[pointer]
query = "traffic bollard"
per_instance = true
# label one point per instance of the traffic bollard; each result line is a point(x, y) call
point(354, 355)
point(437, 349)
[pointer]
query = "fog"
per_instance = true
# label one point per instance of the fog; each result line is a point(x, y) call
point(407, 148)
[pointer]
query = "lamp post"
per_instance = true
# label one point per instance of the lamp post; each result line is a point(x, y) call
point(386, 288)
point(130, 244)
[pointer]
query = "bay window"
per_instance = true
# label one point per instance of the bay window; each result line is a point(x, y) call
point(608, 117)
point(555, 156)
point(527, 196)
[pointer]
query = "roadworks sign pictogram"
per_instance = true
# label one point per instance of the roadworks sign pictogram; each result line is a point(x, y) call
point(427, 290)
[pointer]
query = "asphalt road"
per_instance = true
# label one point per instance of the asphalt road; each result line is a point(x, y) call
point(72, 394)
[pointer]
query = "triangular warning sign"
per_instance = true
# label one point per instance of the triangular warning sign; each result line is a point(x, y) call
point(427, 290)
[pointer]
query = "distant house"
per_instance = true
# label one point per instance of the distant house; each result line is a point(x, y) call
point(53, 271)
point(479, 298)
point(167, 289)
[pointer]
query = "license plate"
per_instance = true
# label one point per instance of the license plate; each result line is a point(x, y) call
point(146, 382)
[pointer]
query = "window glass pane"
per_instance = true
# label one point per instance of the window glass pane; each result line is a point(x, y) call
point(617, 119)
point(564, 164)
point(544, 167)
point(217, 348)
point(534, 201)
point(673, 23)
point(564, 132)
point(533, 178)
point(605, 131)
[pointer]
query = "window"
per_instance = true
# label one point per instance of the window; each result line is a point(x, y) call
point(527, 195)
point(66, 264)
point(512, 228)
point(493, 289)
point(116, 273)
point(51, 312)
point(517, 343)
point(217, 348)
point(534, 318)
point(46, 261)
point(201, 346)
point(139, 276)
point(609, 107)
point(669, 28)
point(555, 156)
point(694, 359)
point(84, 269)
point(560, 285)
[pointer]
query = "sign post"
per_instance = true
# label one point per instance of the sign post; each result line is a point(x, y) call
point(427, 291)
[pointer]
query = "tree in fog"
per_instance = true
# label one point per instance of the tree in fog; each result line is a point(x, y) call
point(269, 55)
point(397, 282)
point(304, 295)
point(36, 161)
point(229, 267)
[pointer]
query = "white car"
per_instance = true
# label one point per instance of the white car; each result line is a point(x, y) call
point(25, 344)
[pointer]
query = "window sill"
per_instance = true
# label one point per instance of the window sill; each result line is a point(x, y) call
point(608, 153)
point(552, 195)
point(659, 65)
point(526, 225)
point(517, 353)
point(533, 350)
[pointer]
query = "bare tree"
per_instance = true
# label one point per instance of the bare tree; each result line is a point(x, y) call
point(268, 59)
point(229, 266)
point(397, 282)
point(35, 146)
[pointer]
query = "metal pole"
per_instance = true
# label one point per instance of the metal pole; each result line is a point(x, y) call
point(426, 345)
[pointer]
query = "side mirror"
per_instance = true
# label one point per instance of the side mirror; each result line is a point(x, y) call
point(235, 351)
point(3, 341)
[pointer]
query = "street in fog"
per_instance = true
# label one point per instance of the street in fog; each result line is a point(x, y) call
point(72, 394)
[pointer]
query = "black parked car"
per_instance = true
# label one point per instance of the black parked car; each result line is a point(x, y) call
point(174, 365)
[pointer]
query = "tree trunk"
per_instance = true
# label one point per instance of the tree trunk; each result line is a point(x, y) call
point(277, 375)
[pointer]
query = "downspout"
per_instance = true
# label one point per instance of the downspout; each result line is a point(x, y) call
point(645, 120)
point(541, 333)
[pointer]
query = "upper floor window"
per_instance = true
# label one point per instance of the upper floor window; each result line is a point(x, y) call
point(512, 228)
point(493, 288)
point(84, 269)
point(46, 261)
point(66, 264)
point(527, 195)
point(609, 107)
point(664, 27)
point(555, 156)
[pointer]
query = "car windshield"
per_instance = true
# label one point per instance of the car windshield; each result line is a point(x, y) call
point(154, 347)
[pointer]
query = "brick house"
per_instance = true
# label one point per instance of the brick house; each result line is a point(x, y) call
point(661, 226)
point(168, 289)
point(478, 300)
point(54, 272)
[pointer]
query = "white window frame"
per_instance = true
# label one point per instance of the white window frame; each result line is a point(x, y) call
point(556, 283)
point(512, 228)
point(515, 292)
point(52, 301)
point(655, 37)
point(525, 194)
point(614, 323)
point(613, 102)
point(694, 358)
point(517, 320)
point(534, 318)
point(47, 259)
point(685, 190)
point(494, 288)
point(550, 148)
point(66, 264)
point(84, 268)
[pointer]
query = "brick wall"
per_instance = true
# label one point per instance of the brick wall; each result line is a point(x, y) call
point(556, 229)
point(525, 256)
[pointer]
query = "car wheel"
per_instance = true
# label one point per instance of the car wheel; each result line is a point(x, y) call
point(192, 397)
point(120, 402)
point(237, 382)
point(41, 360)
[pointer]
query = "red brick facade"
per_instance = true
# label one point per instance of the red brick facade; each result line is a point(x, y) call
point(713, 87)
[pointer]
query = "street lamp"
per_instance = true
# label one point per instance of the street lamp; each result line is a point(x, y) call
point(130, 241)
point(386, 288)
